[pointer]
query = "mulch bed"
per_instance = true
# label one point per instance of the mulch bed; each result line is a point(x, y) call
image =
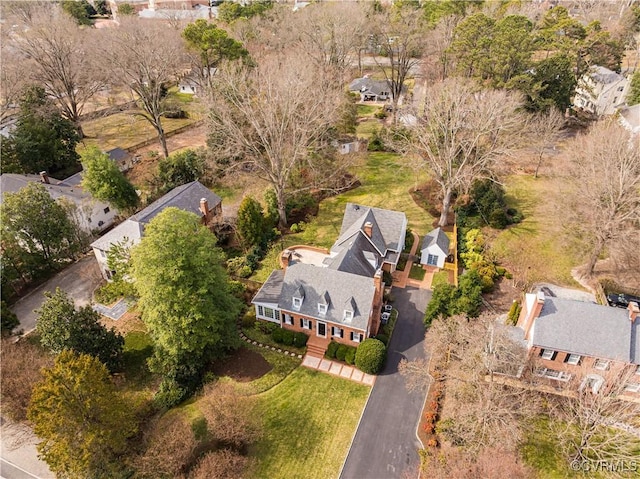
point(244, 365)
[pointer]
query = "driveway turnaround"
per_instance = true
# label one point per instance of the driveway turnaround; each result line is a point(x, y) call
point(385, 445)
point(78, 280)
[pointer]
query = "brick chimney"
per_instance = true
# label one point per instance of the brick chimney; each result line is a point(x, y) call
point(530, 311)
point(45, 177)
point(634, 311)
point(285, 259)
point(368, 227)
point(204, 209)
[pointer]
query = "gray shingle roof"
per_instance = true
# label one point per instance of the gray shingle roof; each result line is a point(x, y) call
point(342, 288)
point(352, 258)
point(587, 329)
point(271, 289)
point(436, 236)
point(604, 75)
point(369, 85)
point(186, 197)
point(387, 226)
point(118, 154)
point(12, 182)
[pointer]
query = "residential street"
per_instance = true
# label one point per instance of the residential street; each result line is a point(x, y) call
point(385, 445)
point(18, 455)
point(79, 280)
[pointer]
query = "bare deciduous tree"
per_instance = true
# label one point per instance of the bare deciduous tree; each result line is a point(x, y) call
point(275, 118)
point(222, 464)
point(62, 58)
point(546, 131)
point(170, 445)
point(231, 417)
point(145, 56)
point(22, 363)
point(400, 42)
point(462, 134)
point(605, 201)
point(597, 426)
point(331, 34)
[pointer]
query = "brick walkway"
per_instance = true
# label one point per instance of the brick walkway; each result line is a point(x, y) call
point(338, 369)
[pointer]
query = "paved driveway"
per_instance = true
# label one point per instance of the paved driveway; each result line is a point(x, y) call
point(78, 280)
point(385, 445)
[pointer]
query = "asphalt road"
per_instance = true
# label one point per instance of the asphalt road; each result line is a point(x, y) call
point(79, 280)
point(18, 454)
point(385, 445)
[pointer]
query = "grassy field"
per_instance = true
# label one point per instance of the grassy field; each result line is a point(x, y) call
point(417, 272)
point(384, 184)
point(367, 111)
point(540, 240)
point(367, 127)
point(309, 420)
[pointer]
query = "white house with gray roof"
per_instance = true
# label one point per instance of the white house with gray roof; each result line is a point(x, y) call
point(371, 90)
point(336, 294)
point(193, 197)
point(92, 215)
point(601, 91)
point(434, 249)
point(571, 339)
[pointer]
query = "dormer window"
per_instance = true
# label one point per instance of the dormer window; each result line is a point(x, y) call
point(298, 296)
point(348, 315)
point(323, 303)
point(349, 309)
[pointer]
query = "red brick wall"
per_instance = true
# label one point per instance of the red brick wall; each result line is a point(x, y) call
point(313, 331)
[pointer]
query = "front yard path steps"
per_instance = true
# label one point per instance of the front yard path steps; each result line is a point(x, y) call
point(338, 369)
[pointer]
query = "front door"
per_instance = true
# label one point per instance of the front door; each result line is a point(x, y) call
point(322, 329)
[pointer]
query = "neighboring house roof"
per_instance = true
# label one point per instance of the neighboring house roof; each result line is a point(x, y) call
point(271, 289)
point(12, 182)
point(73, 180)
point(321, 285)
point(118, 154)
point(131, 230)
point(386, 232)
point(436, 237)
point(367, 85)
point(587, 329)
point(358, 257)
point(630, 118)
point(604, 75)
point(186, 197)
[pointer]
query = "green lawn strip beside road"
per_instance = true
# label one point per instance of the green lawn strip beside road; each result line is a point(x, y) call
point(309, 420)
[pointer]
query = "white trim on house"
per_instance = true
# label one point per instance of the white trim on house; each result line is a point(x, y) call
point(268, 312)
point(548, 354)
point(553, 374)
point(318, 324)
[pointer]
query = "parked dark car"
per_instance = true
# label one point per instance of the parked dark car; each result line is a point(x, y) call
point(621, 300)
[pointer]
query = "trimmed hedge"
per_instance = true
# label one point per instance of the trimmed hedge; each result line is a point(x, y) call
point(341, 352)
point(300, 340)
point(278, 335)
point(350, 357)
point(287, 337)
point(331, 350)
point(370, 356)
point(384, 338)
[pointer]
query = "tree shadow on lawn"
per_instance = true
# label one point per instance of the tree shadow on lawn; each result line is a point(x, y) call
point(243, 365)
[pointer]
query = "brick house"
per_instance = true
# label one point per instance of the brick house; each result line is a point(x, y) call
point(193, 197)
point(336, 294)
point(582, 343)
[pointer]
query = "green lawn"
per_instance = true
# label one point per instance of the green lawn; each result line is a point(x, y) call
point(138, 347)
point(366, 128)
point(540, 239)
point(367, 110)
point(384, 184)
point(417, 272)
point(309, 420)
point(282, 367)
point(441, 277)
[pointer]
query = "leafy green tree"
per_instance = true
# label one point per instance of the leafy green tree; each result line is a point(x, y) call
point(185, 296)
point(251, 223)
point(471, 44)
point(180, 168)
point(102, 8)
point(36, 224)
point(212, 45)
point(42, 139)
point(271, 213)
point(9, 320)
point(83, 421)
point(551, 83)
point(229, 12)
point(81, 11)
point(442, 303)
point(633, 98)
point(62, 327)
point(105, 181)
